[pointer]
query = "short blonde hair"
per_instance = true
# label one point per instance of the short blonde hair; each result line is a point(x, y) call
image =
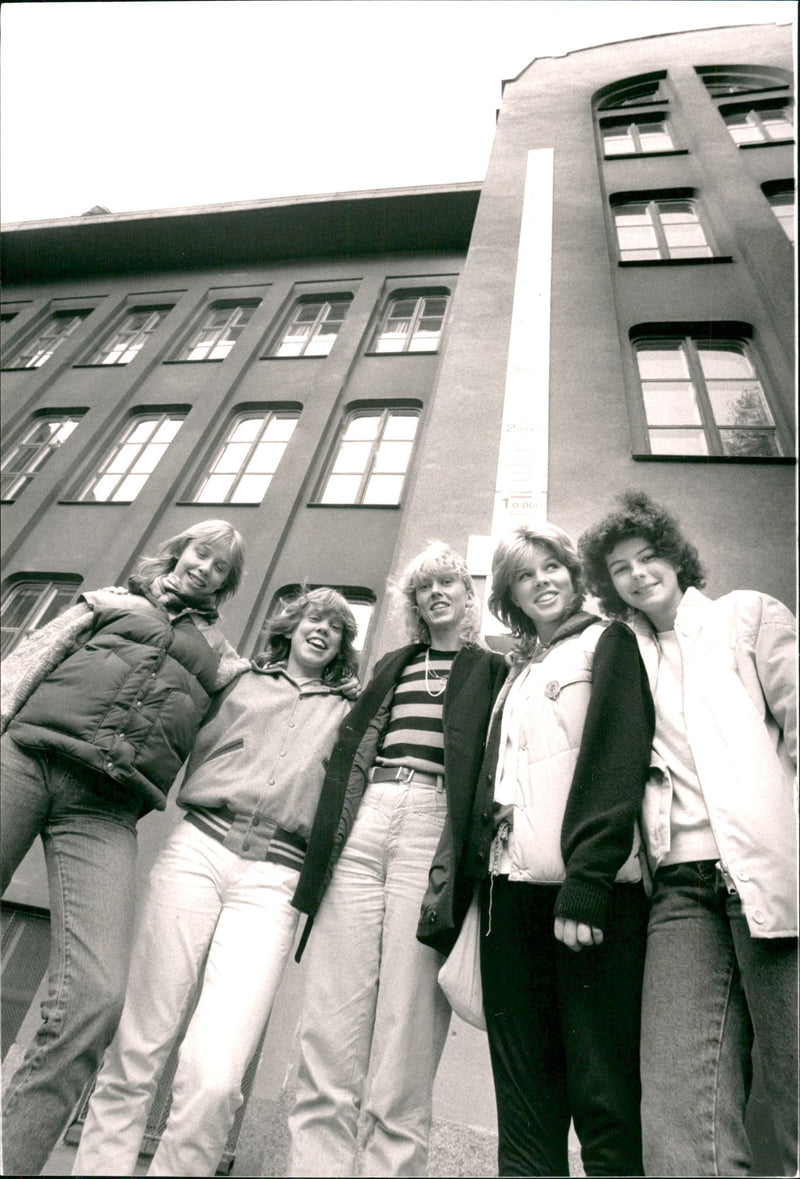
point(436, 558)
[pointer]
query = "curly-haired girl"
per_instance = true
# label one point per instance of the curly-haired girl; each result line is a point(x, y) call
point(219, 897)
point(720, 825)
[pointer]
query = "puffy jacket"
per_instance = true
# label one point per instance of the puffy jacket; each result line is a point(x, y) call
point(128, 702)
point(581, 748)
point(739, 657)
point(475, 679)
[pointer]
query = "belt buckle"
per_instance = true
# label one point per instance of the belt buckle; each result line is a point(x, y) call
point(404, 774)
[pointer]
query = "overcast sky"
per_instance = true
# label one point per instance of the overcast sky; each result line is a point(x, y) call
point(167, 103)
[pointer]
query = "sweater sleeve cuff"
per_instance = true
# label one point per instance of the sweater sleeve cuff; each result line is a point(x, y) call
point(582, 901)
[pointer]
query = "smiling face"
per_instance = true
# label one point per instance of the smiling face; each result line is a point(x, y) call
point(442, 601)
point(645, 581)
point(316, 642)
point(543, 589)
point(202, 568)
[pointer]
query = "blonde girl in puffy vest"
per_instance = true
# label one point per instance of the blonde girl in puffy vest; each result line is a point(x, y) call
point(100, 709)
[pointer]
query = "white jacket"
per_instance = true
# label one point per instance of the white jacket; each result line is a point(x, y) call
point(740, 706)
point(548, 704)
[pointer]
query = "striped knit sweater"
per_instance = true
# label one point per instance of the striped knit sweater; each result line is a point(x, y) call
point(414, 736)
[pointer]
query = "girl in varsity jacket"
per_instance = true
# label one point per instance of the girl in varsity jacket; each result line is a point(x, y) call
point(219, 897)
point(398, 788)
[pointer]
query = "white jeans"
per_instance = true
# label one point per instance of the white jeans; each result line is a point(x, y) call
point(201, 898)
point(374, 1019)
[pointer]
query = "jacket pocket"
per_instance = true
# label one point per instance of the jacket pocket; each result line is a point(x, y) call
point(223, 749)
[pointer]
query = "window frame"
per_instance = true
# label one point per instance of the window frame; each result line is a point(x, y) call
point(652, 201)
point(687, 337)
point(419, 294)
point(386, 411)
point(327, 300)
point(31, 345)
point(49, 584)
point(755, 79)
point(203, 325)
point(98, 357)
point(650, 85)
point(756, 109)
point(660, 118)
point(42, 456)
point(783, 188)
point(269, 413)
point(134, 419)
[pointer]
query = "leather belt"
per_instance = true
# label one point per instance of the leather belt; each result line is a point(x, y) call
point(406, 774)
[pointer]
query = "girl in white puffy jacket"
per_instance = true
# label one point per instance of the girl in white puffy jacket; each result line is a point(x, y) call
point(720, 824)
point(553, 834)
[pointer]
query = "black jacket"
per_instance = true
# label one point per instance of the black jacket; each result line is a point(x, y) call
point(473, 684)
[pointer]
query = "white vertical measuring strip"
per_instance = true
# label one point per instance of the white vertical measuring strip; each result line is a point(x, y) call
point(521, 484)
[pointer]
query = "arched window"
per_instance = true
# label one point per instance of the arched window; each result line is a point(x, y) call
point(31, 601)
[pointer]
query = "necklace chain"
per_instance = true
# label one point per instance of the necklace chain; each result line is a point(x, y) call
point(430, 673)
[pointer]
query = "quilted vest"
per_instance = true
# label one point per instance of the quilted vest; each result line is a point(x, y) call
point(129, 702)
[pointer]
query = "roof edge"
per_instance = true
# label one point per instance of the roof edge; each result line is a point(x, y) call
point(244, 206)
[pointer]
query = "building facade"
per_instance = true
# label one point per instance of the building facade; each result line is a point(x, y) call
point(346, 377)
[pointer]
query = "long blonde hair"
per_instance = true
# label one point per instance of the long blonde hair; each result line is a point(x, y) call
point(212, 532)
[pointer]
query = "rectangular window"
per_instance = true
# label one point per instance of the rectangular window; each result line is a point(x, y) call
point(219, 331)
point(244, 465)
point(412, 322)
point(313, 327)
point(704, 398)
point(130, 336)
point(372, 457)
point(30, 603)
point(763, 124)
point(39, 348)
point(635, 138)
point(131, 461)
point(659, 229)
point(40, 441)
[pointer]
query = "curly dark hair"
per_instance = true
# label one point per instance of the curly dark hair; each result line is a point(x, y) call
point(329, 602)
point(637, 516)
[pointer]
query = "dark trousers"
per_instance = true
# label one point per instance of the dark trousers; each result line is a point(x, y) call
point(563, 1032)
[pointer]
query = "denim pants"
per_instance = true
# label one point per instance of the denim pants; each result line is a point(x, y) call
point(89, 838)
point(709, 986)
point(563, 1031)
point(374, 1020)
point(202, 899)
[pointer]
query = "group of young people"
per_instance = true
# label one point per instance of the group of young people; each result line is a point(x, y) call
point(618, 791)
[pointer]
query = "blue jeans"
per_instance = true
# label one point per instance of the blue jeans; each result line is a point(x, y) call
point(89, 842)
point(709, 987)
point(374, 1019)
